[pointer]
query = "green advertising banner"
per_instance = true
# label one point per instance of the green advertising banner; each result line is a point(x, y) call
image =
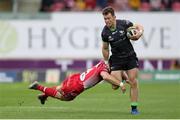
point(155, 75)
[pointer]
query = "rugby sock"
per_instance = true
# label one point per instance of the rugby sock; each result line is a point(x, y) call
point(134, 105)
point(54, 87)
point(48, 91)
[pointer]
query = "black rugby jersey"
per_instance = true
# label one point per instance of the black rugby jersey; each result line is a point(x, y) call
point(119, 42)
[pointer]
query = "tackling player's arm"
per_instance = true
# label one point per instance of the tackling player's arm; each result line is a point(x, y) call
point(112, 80)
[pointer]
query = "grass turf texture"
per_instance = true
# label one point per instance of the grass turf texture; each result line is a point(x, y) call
point(157, 100)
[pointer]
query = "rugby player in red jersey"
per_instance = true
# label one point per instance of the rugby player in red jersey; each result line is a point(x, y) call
point(75, 84)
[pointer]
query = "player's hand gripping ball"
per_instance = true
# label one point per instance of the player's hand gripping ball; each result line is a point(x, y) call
point(131, 32)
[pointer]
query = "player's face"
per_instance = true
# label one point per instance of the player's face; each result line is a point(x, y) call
point(109, 20)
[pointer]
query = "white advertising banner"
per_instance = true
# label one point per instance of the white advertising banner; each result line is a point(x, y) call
point(77, 35)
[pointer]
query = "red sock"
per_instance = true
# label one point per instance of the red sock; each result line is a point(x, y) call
point(48, 91)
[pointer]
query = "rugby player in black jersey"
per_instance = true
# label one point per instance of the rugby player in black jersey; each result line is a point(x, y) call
point(123, 56)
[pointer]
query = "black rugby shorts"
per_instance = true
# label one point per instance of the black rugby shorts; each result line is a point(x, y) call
point(127, 63)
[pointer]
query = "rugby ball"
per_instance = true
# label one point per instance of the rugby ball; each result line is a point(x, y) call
point(131, 31)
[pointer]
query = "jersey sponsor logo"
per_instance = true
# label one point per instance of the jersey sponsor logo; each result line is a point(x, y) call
point(121, 32)
point(110, 38)
point(122, 39)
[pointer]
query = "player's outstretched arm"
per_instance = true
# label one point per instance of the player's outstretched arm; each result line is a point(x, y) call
point(109, 78)
point(112, 80)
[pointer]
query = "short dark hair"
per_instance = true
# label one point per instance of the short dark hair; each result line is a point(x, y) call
point(108, 10)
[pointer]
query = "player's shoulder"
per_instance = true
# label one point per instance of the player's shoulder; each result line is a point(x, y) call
point(105, 31)
point(102, 66)
point(123, 21)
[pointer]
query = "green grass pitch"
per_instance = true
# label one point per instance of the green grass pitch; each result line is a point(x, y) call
point(159, 100)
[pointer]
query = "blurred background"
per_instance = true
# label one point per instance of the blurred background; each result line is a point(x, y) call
point(46, 40)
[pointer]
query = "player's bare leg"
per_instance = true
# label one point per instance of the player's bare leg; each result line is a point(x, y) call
point(132, 74)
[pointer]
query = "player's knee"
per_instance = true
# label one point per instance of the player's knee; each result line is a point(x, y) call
point(134, 83)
